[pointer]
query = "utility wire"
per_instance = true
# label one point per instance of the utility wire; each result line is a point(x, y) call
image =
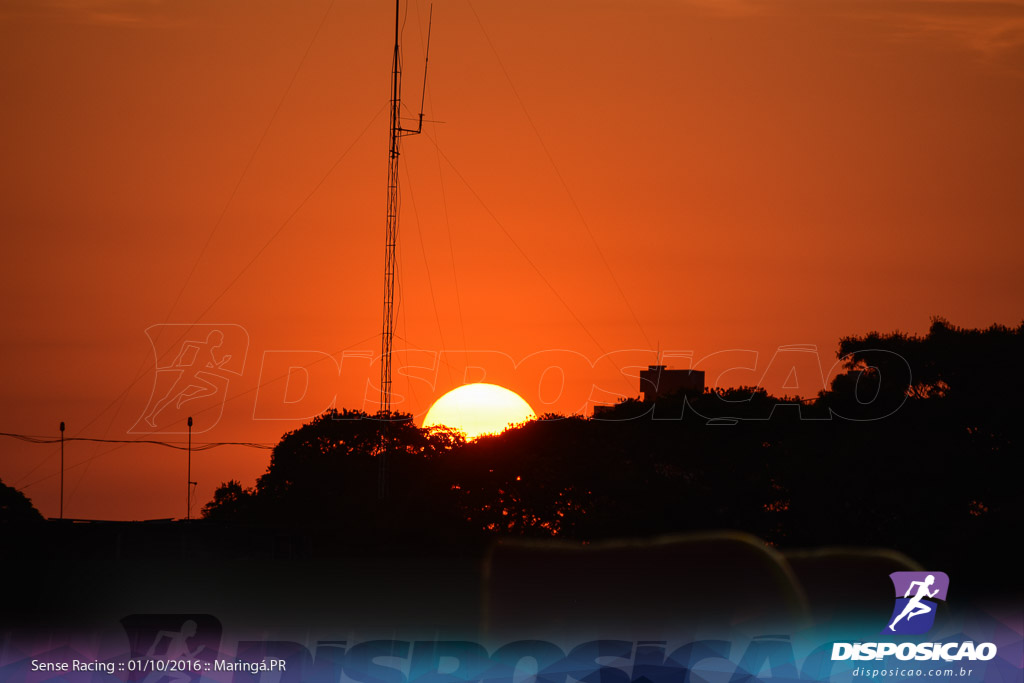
point(521, 251)
point(447, 219)
point(231, 284)
point(558, 173)
point(426, 265)
point(255, 151)
point(178, 445)
point(143, 368)
point(125, 443)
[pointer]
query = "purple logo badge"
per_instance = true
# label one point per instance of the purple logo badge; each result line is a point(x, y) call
point(917, 594)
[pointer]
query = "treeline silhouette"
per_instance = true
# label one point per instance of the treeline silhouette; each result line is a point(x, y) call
point(16, 508)
point(916, 446)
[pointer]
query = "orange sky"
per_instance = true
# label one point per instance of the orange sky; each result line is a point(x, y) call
point(690, 175)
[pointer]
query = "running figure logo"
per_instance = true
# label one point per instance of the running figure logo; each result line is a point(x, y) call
point(916, 599)
point(194, 365)
point(171, 637)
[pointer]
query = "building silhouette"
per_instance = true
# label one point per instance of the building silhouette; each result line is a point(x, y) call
point(658, 381)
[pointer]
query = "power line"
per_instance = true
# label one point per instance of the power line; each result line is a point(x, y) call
point(252, 157)
point(237, 277)
point(561, 178)
point(426, 265)
point(143, 368)
point(522, 252)
point(70, 467)
point(448, 225)
point(178, 445)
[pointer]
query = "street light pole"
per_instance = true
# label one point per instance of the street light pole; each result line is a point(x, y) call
point(188, 486)
point(62, 470)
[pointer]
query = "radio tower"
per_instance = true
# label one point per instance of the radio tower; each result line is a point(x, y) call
point(391, 237)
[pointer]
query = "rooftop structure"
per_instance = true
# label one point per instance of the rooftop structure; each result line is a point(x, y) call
point(658, 381)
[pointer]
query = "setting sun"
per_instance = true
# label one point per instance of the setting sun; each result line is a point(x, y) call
point(479, 409)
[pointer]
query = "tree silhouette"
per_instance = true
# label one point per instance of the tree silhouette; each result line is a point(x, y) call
point(230, 501)
point(915, 446)
point(948, 361)
point(16, 508)
point(324, 475)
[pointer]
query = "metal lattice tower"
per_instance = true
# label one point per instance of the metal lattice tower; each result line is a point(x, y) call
point(391, 237)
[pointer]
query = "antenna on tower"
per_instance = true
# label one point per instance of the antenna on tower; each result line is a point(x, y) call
point(391, 238)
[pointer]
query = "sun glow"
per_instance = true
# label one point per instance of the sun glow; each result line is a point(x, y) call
point(478, 409)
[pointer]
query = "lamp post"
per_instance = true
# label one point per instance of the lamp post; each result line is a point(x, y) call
point(188, 485)
point(62, 470)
